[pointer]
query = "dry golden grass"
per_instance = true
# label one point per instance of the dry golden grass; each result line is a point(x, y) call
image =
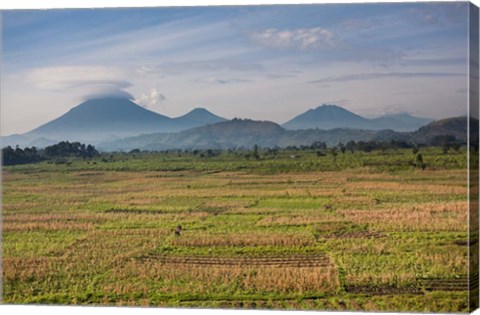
point(296, 220)
point(183, 278)
point(48, 226)
point(243, 239)
point(51, 221)
point(51, 217)
point(436, 265)
point(383, 279)
point(252, 210)
point(407, 187)
point(346, 200)
point(450, 216)
point(22, 269)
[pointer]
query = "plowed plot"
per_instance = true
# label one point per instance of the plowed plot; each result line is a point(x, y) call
point(468, 242)
point(320, 260)
point(382, 290)
point(284, 274)
point(436, 284)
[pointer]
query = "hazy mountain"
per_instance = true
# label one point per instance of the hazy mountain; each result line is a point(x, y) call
point(198, 117)
point(388, 135)
point(235, 134)
point(247, 133)
point(26, 141)
point(229, 134)
point(100, 119)
point(104, 119)
point(399, 122)
point(333, 116)
point(327, 117)
point(119, 124)
point(331, 137)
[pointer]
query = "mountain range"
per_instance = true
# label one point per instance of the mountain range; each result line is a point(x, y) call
point(238, 133)
point(120, 124)
point(106, 119)
point(333, 116)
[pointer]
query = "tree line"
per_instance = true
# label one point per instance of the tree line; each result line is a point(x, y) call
point(11, 156)
point(66, 149)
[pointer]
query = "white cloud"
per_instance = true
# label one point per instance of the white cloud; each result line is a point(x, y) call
point(151, 98)
point(303, 39)
point(87, 82)
point(67, 77)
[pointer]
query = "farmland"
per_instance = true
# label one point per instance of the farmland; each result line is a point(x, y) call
point(291, 230)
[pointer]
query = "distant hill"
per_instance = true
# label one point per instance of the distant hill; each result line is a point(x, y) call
point(399, 122)
point(119, 124)
point(105, 119)
point(247, 133)
point(333, 116)
point(230, 134)
point(236, 133)
point(456, 127)
point(327, 117)
point(197, 117)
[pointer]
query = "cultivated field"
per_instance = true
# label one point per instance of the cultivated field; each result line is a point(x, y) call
point(354, 231)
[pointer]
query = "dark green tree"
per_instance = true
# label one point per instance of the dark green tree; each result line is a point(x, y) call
point(255, 154)
point(419, 161)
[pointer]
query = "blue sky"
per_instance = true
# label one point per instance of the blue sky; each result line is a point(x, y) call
point(261, 62)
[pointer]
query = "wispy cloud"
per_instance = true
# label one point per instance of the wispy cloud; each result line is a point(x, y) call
point(381, 75)
point(214, 65)
point(283, 74)
point(174, 58)
point(303, 38)
point(439, 14)
point(67, 77)
point(433, 61)
point(121, 39)
point(223, 81)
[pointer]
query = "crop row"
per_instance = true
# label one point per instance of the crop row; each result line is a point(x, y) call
point(457, 284)
point(320, 260)
point(427, 284)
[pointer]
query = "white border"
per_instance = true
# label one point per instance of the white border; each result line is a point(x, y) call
point(55, 4)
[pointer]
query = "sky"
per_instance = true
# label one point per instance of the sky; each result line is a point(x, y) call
point(265, 62)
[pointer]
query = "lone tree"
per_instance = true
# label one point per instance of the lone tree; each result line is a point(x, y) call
point(255, 154)
point(334, 153)
point(419, 161)
point(351, 146)
point(456, 146)
point(445, 148)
